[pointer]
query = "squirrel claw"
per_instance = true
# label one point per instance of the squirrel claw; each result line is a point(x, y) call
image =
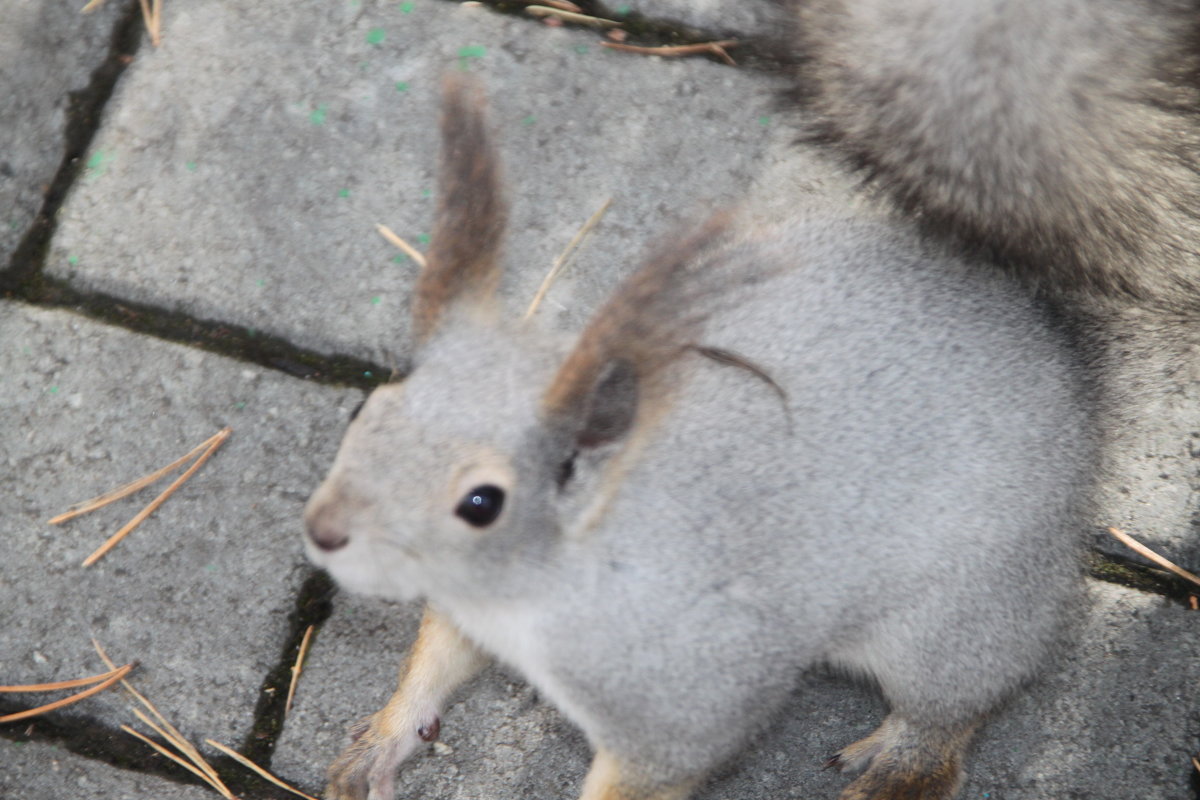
point(366, 769)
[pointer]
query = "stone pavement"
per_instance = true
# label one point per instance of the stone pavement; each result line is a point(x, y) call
point(187, 242)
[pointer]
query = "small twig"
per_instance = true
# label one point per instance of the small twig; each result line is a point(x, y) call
point(91, 6)
point(176, 738)
point(560, 262)
point(563, 5)
point(164, 751)
point(1141, 549)
point(141, 483)
point(113, 540)
point(152, 17)
point(1196, 763)
point(714, 48)
point(572, 16)
point(408, 249)
point(299, 665)
point(241, 759)
point(115, 675)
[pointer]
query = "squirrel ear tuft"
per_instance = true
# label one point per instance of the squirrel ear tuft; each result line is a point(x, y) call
point(468, 229)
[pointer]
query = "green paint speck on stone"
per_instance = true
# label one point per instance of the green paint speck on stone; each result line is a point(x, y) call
point(239, 405)
point(406, 7)
point(375, 35)
point(317, 117)
point(97, 165)
point(465, 54)
point(344, 193)
point(368, 374)
point(376, 300)
point(72, 260)
point(399, 258)
point(423, 238)
point(190, 166)
point(623, 10)
point(427, 193)
point(251, 332)
point(764, 121)
point(581, 48)
point(401, 86)
point(529, 120)
point(52, 390)
point(260, 282)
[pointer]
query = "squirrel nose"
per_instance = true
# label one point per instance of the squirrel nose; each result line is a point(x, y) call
point(324, 532)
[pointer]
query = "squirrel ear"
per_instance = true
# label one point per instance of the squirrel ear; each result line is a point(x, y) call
point(612, 405)
point(468, 228)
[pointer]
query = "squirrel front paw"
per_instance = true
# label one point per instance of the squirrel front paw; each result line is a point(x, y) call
point(366, 769)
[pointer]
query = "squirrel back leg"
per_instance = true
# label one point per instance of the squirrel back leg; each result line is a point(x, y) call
point(904, 760)
point(441, 660)
point(611, 779)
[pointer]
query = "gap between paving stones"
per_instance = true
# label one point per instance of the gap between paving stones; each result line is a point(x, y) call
point(87, 738)
point(23, 280)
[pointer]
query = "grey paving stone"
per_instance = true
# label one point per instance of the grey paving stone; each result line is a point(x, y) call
point(246, 161)
point(1115, 720)
point(201, 592)
point(34, 771)
point(47, 50)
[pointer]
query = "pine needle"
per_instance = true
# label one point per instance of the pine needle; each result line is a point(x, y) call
point(115, 539)
point(1141, 549)
point(571, 16)
point(112, 677)
point(714, 48)
point(164, 751)
point(176, 738)
point(53, 687)
point(408, 249)
point(241, 759)
point(299, 665)
point(561, 262)
point(141, 483)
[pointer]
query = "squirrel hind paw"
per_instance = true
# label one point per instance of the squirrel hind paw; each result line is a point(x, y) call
point(901, 761)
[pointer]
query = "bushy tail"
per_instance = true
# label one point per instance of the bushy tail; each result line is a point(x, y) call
point(1059, 137)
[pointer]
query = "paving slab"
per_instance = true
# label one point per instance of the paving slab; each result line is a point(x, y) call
point(47, 51)
point(1114, 720)
point(200, 594)
point(34, 771)
point(245, 162)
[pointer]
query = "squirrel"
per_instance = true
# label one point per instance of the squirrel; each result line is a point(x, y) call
point(830, 440)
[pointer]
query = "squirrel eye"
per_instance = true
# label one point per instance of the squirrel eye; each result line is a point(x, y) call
point(481, 505)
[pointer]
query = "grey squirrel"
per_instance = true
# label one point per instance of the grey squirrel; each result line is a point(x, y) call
point(831, 440)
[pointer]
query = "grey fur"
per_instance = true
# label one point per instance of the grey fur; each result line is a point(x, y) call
point(907, 510)
point(1058, 137)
